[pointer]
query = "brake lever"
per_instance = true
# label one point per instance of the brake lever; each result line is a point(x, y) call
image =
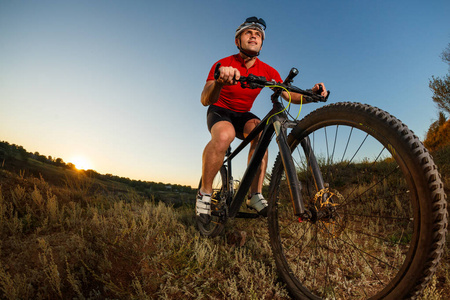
point(320, 98)
point(315, 97)
point(253, 81)
point(252, 85)
point(317, 94)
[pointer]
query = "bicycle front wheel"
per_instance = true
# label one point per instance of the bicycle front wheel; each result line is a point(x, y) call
point(378, 225)
point(218, 202)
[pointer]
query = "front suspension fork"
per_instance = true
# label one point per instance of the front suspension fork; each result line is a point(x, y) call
point(291, 172)
point(312, 163)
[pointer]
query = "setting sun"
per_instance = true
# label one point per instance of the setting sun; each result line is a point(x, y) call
point(81, 163)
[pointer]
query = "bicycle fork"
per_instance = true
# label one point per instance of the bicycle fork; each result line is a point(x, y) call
point(291, 172)
point(289, 168)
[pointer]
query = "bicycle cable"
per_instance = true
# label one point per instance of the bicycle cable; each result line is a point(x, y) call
point(289, 102)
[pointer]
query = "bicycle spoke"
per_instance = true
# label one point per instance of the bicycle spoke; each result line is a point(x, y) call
point(334, 144)
point(371, 187)
point(356, 152)
point(346, 146)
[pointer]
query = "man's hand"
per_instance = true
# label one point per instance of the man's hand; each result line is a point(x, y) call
point(228, 76)
point(212, 88)
point(317, 87)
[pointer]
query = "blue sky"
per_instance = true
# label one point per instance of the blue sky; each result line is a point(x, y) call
point(119, 82)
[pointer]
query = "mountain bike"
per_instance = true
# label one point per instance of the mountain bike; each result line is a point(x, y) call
point(357, 208)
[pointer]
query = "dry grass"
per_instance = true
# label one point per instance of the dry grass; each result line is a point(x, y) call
point(74, 243)
point(79, 242)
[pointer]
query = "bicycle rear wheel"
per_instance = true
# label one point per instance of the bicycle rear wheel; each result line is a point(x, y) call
point(218, 201)
point(380, 231)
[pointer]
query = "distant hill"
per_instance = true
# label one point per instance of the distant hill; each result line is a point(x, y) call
point(56, 172)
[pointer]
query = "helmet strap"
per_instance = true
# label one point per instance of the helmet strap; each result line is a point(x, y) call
point(248, 54)
point(244, 52)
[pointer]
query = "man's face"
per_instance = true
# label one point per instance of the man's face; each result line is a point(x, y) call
point(250, 40)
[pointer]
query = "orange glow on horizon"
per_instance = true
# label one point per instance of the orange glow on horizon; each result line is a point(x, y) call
point(81, 163)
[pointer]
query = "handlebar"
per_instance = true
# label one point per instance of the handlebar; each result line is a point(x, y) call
point(253, 82)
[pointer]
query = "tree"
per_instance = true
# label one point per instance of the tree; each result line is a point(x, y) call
point(438, 135)
point(441, 86)
point(59, 162)
point(23, 154)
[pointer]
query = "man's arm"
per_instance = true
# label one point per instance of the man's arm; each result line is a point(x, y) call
point(297, 98)
point(211, 90)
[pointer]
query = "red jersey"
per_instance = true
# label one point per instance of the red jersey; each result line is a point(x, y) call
point(234, 97)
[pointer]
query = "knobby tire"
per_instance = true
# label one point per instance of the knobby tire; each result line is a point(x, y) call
point(383, 226)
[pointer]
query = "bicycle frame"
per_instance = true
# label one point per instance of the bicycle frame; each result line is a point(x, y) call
point(273, 122)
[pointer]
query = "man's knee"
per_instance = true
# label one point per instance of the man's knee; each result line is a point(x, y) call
point(222, 136)
point(222, 143)
point(250, 125)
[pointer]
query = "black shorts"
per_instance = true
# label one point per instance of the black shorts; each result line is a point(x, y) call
point(237, 119)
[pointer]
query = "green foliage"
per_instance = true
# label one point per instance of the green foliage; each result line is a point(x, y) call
point(441, 86)
point(441, 92)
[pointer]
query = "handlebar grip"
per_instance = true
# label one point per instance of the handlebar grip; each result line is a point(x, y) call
point(216, 71)
point(292, 73)
point(320, 90)
point(323, 99)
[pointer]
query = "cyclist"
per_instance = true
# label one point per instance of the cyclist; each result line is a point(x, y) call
point(229, 113)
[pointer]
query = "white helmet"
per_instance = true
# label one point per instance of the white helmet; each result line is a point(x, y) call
point(253, 23)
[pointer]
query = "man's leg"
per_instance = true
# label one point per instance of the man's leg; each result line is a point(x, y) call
point(222, 134)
